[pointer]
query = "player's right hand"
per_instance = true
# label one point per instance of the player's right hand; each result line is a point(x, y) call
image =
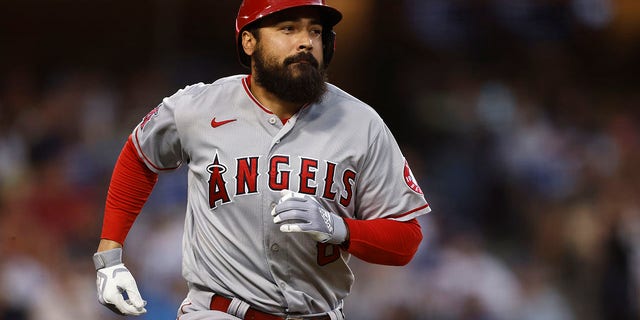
point(117, 289)
point(297, 212)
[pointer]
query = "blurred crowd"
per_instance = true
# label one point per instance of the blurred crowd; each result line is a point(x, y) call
point(520, 118)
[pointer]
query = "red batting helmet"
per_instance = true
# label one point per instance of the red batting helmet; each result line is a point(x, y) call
point(254, 10)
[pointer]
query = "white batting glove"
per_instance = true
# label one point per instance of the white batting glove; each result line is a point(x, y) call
point(117, 290)
point(297, 212)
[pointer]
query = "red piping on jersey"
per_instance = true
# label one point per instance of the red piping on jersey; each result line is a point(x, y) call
point(182, 309)
point(410, 212)
point(246, 83)
point(147, 160)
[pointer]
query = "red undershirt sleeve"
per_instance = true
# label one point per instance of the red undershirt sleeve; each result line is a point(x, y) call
point(384, 241)
point(130, 187)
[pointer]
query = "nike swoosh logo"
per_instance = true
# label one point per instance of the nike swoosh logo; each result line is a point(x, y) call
point(216, 124)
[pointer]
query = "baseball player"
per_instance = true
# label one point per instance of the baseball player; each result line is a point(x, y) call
point(288, 177)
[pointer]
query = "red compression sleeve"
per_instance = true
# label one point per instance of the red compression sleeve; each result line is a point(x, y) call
point(384, 241)
point(130, 187)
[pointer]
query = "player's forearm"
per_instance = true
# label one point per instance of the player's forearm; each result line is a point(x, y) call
point(384, 241)
point(106, 244)
point(130, 186)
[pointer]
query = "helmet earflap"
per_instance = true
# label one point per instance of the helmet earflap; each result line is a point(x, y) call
point(329, 46)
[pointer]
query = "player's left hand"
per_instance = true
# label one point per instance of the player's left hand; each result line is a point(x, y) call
point(297, 212)
point(117, 289)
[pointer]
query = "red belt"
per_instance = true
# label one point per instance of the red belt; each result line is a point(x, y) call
point(221, 303)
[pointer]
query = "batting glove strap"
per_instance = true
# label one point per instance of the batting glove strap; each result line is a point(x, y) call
point(340, 230)
point(107, 258)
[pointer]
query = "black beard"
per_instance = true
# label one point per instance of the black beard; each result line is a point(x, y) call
point(307, 87)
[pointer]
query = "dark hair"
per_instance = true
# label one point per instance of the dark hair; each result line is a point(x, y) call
point(253, 29)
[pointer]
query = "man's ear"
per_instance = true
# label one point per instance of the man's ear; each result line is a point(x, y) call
point(248, 42)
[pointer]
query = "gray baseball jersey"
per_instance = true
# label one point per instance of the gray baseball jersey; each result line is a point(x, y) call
point(240, 155)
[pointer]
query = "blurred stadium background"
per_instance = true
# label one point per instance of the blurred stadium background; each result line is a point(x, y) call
point(521, 118)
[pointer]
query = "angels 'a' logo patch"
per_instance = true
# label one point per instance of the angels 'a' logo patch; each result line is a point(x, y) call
point(409, 179)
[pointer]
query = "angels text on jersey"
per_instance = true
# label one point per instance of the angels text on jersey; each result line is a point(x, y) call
point(314, 177)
